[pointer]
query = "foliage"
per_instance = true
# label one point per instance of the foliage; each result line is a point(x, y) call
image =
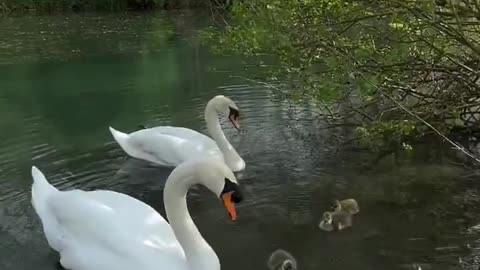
point(379, 133)
point(96, 5)
point(377, 60)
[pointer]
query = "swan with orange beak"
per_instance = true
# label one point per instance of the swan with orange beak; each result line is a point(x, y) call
point(171, 146)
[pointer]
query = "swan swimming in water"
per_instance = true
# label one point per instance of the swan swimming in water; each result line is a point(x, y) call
point(171, 146)
point(102, 229)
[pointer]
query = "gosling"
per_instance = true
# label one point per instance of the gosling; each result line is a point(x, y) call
point(281, 260)
point(341, 215)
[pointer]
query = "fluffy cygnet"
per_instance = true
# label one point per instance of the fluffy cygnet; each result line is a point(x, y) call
point(349, 206)
point(281, 260)
point(341, 215)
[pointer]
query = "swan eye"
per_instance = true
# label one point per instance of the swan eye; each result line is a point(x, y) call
point(234, 189)
point(237, 196)
point(233, 117)
point(233, 113)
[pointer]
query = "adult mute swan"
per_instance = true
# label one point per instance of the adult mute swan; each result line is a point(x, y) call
point(171, 146)
point(101, 229)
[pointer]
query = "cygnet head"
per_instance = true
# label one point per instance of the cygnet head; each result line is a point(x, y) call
point(281, 260)
point(327, 222)
point(288, 265)
point(335, 220)
point(224, 105)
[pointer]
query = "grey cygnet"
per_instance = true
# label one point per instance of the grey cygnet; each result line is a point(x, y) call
point(341, 215)
point(281, 260)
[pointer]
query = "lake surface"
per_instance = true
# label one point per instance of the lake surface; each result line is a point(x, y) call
point(65, 79)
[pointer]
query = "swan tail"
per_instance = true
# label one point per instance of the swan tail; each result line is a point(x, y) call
point(42, 191)
point(120, 137)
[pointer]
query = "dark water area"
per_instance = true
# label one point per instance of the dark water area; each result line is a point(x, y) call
point(65, 79)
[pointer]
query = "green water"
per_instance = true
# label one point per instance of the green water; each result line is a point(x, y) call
point(65, 79)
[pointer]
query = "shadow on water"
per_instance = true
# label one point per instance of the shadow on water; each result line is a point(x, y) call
point(65, 79)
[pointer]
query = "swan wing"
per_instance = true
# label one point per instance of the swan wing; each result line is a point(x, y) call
point(109, 230)
point(173, 145)
point(185, 133)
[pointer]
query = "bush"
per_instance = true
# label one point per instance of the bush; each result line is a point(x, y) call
point(373, 64)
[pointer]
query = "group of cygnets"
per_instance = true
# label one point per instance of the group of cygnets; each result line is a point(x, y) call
point(106, 230)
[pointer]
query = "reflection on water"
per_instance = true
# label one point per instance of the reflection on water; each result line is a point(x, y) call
point(65, 79)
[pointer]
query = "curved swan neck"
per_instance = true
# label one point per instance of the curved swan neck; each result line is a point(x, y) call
point(215, 130)
point(198, 252)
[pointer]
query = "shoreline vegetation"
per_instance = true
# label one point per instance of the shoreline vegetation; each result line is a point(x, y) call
point(49, 6)
point(399, 73)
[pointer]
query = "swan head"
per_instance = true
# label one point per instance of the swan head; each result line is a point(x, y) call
point(224, 105)
point(219, 178)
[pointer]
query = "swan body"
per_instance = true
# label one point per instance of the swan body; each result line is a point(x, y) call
point(101, 229)
point(171, 146)
point(166, 145)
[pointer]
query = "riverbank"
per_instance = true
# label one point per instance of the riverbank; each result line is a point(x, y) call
point(8, 6)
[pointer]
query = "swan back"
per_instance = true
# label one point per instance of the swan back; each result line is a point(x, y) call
point(100, 230)
point(120, 232)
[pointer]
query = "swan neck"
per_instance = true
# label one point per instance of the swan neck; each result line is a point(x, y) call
point(215, 130)
point(198, 252)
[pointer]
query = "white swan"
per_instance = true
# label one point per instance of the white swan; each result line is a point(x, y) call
point(171, 146)
point(101, 229)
